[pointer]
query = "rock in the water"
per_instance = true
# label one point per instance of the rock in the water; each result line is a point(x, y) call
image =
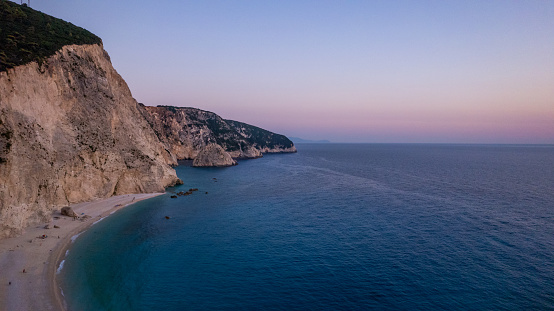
point(250, 153)
point(68, 211)
point(213, 155)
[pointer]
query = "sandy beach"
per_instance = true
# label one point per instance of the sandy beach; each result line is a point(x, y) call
point(28, 263)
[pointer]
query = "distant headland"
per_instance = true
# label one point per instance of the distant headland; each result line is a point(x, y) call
point(298, 140)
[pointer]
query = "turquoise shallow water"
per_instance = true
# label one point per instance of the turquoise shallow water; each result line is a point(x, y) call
point(335, 226)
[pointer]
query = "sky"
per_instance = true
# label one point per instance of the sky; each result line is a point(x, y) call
point(346, 71)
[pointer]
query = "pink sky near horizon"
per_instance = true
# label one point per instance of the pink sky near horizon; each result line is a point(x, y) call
point(448, 128)
point(474, 113)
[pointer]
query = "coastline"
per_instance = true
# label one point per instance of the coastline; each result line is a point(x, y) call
point(37, 288)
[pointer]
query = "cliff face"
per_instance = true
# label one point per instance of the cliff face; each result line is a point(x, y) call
point(186, 131)
point(213, 155)
point(70, 131)
point(263, 140)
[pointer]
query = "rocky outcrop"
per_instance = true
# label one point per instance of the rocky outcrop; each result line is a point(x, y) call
point(70, 131)
point(185, 131)
point(68, 211)
point(262, 140)
point(249, 152)
point(213, 155)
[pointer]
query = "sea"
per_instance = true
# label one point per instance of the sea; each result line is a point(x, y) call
point(333, 227)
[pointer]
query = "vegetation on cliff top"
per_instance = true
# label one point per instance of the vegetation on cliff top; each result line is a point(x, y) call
point(261, 137)
point(27, 35)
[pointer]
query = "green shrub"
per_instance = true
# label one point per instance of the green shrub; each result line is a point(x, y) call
point(27, 35)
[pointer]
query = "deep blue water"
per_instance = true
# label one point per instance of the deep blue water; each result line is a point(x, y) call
point(333, 227)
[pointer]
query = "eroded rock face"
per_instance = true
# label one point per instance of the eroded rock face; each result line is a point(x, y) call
point(70, 132)
point(185, 131)
point(213, 155)
point(263, 140)
point(249, 152)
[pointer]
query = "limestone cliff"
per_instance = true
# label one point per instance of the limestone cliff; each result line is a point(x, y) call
point(213, 155)
point(70, 131)
point(263, 140)
point(185, 131)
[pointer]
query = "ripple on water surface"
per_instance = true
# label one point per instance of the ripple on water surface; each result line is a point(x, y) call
point(419, 227)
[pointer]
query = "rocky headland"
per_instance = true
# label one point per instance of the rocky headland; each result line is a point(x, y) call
point(70, 130)
point(186, 131)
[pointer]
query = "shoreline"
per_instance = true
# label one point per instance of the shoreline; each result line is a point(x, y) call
point(37, 288)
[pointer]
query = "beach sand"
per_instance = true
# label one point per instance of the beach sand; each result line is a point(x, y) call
point(36, 288)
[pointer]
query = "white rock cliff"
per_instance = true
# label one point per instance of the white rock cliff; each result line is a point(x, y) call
point(70, 131)
point(186, 131)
